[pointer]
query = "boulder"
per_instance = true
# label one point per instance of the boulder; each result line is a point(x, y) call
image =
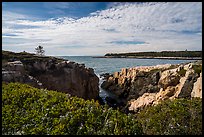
point(197, 88)
point(169, 78)
point(145, 100)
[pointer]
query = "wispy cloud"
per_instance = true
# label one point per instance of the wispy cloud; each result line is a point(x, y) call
point(127, 42)
point(132, 26)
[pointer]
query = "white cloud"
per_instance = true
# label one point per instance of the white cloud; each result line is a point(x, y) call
point(164, 26)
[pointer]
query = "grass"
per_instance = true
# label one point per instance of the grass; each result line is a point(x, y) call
point(25, 57)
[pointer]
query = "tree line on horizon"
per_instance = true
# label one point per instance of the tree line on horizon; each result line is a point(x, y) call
point(160, 54)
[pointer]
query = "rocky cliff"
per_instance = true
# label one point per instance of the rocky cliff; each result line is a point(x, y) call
point(148, 85)
point(51, 73)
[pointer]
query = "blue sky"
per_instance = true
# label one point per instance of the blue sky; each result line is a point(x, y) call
point(46, 10)
point(97, 28)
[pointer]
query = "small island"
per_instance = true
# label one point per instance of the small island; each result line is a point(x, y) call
point(176, 55)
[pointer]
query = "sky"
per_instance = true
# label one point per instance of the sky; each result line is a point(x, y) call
point(97, 28)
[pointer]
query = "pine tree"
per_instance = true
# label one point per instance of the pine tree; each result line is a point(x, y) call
point(39, 50)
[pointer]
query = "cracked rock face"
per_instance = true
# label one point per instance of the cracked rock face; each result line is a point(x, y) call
point(187, 86)
point(134, 82)
point(15, 72)
point(65, 76)
point(149, 85)
point(197, 88)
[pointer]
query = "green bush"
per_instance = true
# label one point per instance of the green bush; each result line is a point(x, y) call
point(182, 72)
point(28, 110)
point(177, 117)
point(197, 69)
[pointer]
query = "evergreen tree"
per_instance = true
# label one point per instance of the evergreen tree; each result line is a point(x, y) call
point(39, 50)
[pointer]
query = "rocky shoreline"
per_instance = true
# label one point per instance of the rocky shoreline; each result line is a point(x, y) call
point(148, 85)
point(50, 73)
point(132, 88)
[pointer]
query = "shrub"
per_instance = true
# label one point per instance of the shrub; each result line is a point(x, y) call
point(182, 72)
point(178, 117)
point(28, 110)
point(197, 69)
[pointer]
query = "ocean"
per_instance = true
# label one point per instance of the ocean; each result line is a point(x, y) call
point(110, 65)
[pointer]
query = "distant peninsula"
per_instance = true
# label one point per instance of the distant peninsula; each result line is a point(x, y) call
point(185, 55)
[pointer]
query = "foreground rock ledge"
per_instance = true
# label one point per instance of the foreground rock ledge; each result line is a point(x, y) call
point(53, 74)
point(149, 85)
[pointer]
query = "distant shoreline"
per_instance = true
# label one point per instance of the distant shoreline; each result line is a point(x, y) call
point(133, 57)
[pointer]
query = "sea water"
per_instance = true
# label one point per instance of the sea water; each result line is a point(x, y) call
point(110, 65)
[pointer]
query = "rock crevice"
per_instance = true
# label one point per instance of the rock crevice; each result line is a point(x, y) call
point(143, 86)
point(64, 76)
